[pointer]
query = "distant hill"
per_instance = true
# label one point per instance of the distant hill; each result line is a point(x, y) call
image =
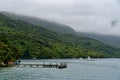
point(107, 39)
point(53, 26)
point(26, 40)
point(59, 28)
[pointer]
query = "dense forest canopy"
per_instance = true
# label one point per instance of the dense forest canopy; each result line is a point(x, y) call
point(19, 39)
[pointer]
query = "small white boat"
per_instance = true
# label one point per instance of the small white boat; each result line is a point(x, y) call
point(81, 58)
point(34, 58)
point(89, 59)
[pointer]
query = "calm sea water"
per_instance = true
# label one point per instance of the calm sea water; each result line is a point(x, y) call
point(100, 69)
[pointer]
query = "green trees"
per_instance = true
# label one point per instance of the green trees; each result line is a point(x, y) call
point(19, 39)
point(7, 52)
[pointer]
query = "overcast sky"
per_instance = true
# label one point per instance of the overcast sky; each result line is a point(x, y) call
point(98, 16)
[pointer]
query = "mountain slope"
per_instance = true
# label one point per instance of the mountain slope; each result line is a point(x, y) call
point(107, 39)
point(31, 41)
point(52, 26)
point(55, 27)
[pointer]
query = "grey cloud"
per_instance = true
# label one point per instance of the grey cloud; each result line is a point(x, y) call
point(82, 15)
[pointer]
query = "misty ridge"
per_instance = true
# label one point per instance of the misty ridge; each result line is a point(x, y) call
point(61, 29)
point(33, 40)
point(112, 40)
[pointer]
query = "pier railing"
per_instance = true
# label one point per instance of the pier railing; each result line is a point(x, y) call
point(44, 65)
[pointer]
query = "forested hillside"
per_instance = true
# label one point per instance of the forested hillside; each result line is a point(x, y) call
point(107, 39)
point(19, 39)
point(50, 25)
point(55, 27)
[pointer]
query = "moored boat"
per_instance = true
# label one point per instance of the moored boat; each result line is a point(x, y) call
point(90, 59)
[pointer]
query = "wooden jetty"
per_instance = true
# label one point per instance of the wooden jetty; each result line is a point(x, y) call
point(44, 65)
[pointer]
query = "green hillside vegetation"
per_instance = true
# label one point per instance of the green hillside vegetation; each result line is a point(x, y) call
point(7, 52)
point(19, 39)
point(107, 39)
point(55, 27)
point(52, 26)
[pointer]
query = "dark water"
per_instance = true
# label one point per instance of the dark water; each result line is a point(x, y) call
point(100, 69)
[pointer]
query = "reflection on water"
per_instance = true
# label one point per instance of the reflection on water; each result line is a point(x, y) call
point(100, 69)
